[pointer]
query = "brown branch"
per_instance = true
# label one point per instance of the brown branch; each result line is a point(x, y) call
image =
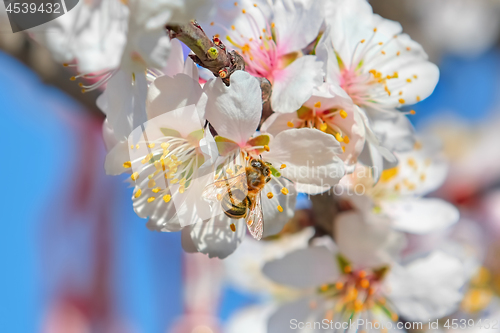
point(209, 53)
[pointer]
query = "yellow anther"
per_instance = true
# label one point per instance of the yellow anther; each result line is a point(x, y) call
point(408, 80)
point(364, 283)
point(290, 124)
point(323, 127)
point(400, 93)
point(137, 146)
point(229, 171)
point(317, 104)
point(151, 183)
point(236, 4)
point(273, 25)
point(270, 195)
point(412, 112)
point(219, 196)
point(394, 317)
point(339, 137)
point(343, 149)
point(151, 199)
point(127, 165)
point(415, 77)
point(243, 11)
point(84, 91)
point(402, 101)
point(212, 23)
point(398, 54)
point(343, 114)
point(73, 78)
point(362, 41)
point(167, 197)
point(408, 48)
point(380, 43)
point(388, 174)
point(131, 146)
point(284, 190)
point(182, 181)
point(233, 227)
point(339, 285)
point(233, 27)
point(347, 269)
point(266, 147)
point(383, 52)
point(174, 181)
point(151, 145)
point(156, 190)
point(324, 287)
point(423, 177)
point(249, 223)
point(358, 305)
point(134, 176)
point(397, 187)
point(255, 5)
point(181, 189)
point(346, 139)
point(412, 162)
point(374, 29)
point(138, 193)
point(280, 209)
point(418, 98)
point(283, 166)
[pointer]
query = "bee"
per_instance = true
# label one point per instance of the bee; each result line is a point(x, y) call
point(240, 196)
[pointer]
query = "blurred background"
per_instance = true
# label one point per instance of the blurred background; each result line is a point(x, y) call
point(75, 258)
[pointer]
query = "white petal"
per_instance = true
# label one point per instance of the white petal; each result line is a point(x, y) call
point(427, 288)
point(293, 85)
point(234, 111)
point(124, 102)
point(167, 94)
point(305, 310)
point(175, 62)
point(421, 216)
point(367, 239)
point(274, 220)
point(216, 238)
point(115, 159)
point(310, 156)
point(304, 268)
point(291, 16)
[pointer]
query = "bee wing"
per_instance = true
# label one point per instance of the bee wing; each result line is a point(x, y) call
point(220, 187)
point(255, 219)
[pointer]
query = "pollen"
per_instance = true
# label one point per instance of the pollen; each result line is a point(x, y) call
point(346, 139)
point(283, 166)
point(151, 145)
point(151, 199)
point(408, 80)
point(339, 137)
point(402, 101)
point(138, 193)
point(380, 43)
point(270, 195)
point(290, 124)
point(280, 209)
point(127, 164)
point(317, 104)
point(343, 114)
point(284, 190)
point(156, 190)
point(233, 227)
point(167, 197)
point(323, 127)
point(266, 147)
point(134, 176)
point(249, 223)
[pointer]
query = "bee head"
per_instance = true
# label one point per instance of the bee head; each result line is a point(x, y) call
point(262, 166)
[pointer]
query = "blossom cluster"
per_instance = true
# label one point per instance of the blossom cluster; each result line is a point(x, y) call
point(276, 98)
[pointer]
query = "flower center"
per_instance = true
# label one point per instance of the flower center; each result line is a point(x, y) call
point(356, 291)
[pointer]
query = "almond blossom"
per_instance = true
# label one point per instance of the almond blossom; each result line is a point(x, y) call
point(265, 34)
point(360, 277)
